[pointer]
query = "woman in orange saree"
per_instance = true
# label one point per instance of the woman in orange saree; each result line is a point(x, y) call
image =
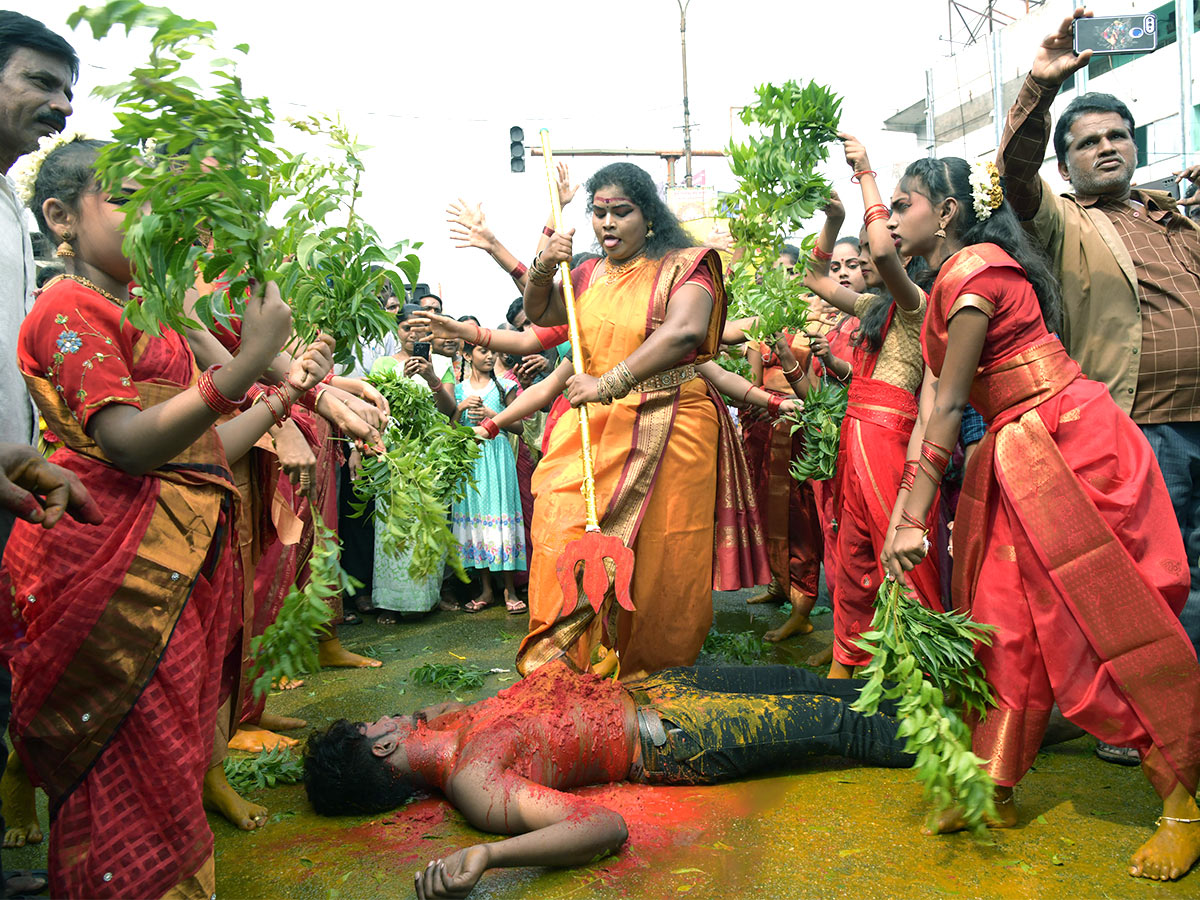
point(648, 311)
point(1064, 535)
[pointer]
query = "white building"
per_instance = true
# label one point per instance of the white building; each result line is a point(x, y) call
point(996, 45)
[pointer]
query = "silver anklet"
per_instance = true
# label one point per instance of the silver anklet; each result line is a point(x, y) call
point(1162, 819)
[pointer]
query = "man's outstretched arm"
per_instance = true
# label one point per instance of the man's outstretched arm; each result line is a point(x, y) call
point(552, 828)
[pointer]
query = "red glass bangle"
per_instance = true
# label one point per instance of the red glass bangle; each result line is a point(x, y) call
point(328, 379)
point(272, 392)
point(876, 215)
point(309, 398)
point(873, 207)
point(492, 429)
point(856, 178)
point(252, 393)
point(212, 396)
point(518, 270)
point(820, 254)
point(908, 520)
point(773, 404)
point(547, 231)
point(909, 477)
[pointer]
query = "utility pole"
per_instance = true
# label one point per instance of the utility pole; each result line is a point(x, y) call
point(687, 116)
point(1187, 111)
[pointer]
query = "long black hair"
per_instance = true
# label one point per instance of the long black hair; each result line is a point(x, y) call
point(870, 326)
point(938, 179)
point(666, 232)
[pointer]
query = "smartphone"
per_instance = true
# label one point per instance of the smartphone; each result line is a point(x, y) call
point(511, 361)
point(421, 349)
point(1168, 184)
point(1116, 34)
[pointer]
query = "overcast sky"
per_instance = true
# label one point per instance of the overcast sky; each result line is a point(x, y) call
point(434, 86)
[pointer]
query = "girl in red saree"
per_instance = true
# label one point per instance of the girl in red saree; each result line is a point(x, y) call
point(648, 312)
point(131, 632)
point(1064, 538)
point(887, 373)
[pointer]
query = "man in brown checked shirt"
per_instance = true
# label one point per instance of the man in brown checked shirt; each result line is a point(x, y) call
point(1129, 262)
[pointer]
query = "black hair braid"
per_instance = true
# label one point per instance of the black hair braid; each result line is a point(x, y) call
point(67, 173)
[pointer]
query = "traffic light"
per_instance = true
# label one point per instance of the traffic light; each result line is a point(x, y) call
point(516, 137)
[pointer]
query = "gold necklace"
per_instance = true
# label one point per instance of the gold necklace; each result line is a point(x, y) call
point(613, 272)
point(88, 283)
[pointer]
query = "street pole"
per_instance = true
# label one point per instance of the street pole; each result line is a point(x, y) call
point(1185, 26)
point(687, 116)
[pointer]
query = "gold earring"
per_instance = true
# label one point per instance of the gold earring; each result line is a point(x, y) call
point(941, 233)
point(649, 231)
point(65, 249)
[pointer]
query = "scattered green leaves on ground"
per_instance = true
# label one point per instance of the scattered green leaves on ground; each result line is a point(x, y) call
point(819, 422)
point(450, 677)
point(288, 646)
point(779, 188)
point(272, 767)
point(744, 647)
point(427, 466)
point(919, 658)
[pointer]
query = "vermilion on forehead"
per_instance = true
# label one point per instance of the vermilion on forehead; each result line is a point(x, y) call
point(599, 199)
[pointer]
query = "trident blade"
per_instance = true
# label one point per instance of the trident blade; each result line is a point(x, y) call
point(591, 550)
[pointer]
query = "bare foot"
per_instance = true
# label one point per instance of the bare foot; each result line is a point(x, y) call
point(1175, 846)
point(840, 670)
point(255, 740)
point(283, 683)
point(797, 623)
point(332, 655)
point(220, 797)
point(387, 617)
point(16, 798)
point(275, 722)
point(952, 819)
point(823, 658)
point(773, 594)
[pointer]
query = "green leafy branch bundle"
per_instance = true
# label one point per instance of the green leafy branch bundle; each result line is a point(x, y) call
point(820, 425)
point(744, 647)
point(428, 465)
point(920, 658)
point(733, 362)
point(288, 647)
point(450, 677)
point(333, 273)
point(779, 189)
point(202, 171)
point(272, 767)
point(194, 161)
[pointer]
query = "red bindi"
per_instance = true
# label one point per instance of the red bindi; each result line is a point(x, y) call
point(613, 199)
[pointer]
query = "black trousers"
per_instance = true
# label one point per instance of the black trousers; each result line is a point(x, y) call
point(720, 723)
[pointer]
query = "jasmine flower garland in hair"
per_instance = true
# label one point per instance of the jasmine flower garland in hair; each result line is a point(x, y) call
point(24, 174)
point(986, 193)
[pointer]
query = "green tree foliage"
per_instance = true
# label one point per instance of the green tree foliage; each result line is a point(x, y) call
point(920, 658)
point(820, 425)
point(288, 649)
point(779, 189)
point(427, 466)
point(199, 162)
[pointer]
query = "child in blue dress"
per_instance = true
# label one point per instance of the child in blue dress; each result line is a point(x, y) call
point(487, 523)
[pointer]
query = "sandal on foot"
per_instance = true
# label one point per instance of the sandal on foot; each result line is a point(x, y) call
point(516, 606)
point(388, 617)
point(1121, 756)
point(25, 883)
point(448, 604)
point(349, 617)
point(476, 605)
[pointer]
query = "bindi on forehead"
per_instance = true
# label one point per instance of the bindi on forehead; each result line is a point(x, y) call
point(599, 199)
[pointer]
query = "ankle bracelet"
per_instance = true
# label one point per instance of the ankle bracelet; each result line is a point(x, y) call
point(1162, 819)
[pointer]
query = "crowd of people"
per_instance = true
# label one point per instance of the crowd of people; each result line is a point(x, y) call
point(1021, 442)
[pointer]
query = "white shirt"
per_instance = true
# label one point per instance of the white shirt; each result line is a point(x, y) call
point(18, 277)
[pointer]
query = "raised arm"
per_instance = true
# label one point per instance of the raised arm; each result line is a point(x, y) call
point(1027, 128)
point(816, 276)
point(881, 244)
point(552, 828)
point(517, 343)
point(544, 302)
point(469, 228)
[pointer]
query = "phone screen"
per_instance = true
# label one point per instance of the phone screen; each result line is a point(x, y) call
point(1116, 34)
point(421, 349)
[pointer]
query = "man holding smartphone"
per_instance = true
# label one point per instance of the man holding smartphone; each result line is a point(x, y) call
point(1129, 265)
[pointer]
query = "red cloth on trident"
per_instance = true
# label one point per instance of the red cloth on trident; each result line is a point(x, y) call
point(1065, 483)
point(879, 420)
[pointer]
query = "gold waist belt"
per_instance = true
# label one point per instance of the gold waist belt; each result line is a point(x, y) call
point(668, 379)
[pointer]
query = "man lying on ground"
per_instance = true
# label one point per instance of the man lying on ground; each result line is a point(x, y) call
point(506, 762)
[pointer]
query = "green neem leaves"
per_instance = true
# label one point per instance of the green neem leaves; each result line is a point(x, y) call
point(779, 189)
point(926, 662)
point(820, 423)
